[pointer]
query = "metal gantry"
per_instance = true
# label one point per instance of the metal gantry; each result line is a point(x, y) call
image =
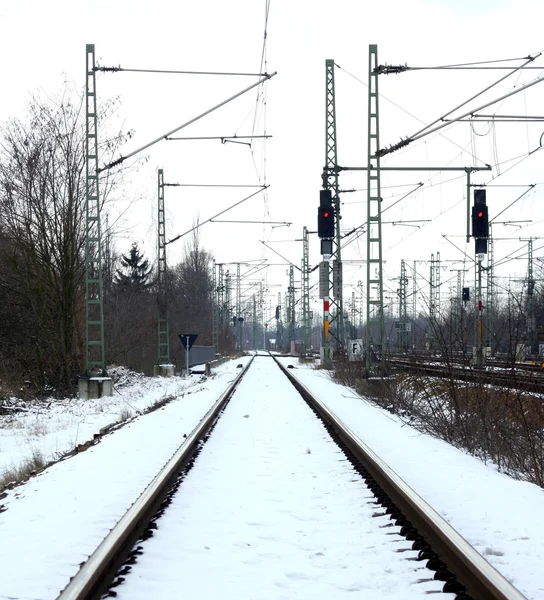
point(254, 323)
point(238, 311)
point(532, 335)
point(215, 309)
point(162, 321)
point(306, 291)
point(434, 300)
point(330, 182)
point(94, 313)
point(414, 305)
point(261, 313)
point(220, 298)
point(279, 324)
point(478, 354)
point(227, 318)
point(353, 317)
point(404, 323)
point(375, 327)
point(291, 304)
point(457, 308)
point(458, 332)
point(490, 293)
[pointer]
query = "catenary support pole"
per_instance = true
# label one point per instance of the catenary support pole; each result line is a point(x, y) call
point(375, 328)
point(94, 346)
point(330, 182)
point(163, 335)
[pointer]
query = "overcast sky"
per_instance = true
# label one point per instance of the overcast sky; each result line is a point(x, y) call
point(42, 44)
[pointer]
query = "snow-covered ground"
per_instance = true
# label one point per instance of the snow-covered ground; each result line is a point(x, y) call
point(50, 428)
point(55, 520)
point(496, 514)
point(272, 510)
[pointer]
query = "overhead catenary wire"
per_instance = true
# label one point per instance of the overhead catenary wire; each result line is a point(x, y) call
point(170, 72)
point(223, 138)
point(426, 131)
point(190, 122)
point(260, 110)
point(477, 63)
point(519, 67)
point(530, 187)
point(221, 185)
point(174, 239)
point(497, 162)
point(463, 149)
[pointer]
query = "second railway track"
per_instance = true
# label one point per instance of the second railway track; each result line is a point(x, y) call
point(281, 505)
point(522, 377)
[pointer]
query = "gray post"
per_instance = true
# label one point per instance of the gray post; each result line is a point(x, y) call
point(187, 357)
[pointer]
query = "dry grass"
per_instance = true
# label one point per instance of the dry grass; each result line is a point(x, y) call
point(124, 415)
point(504, 426)
point(14, 475)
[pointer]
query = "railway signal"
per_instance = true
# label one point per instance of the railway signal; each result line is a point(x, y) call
point(325, 215)
point(480, 217)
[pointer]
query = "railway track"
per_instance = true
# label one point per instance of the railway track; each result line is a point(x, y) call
point(419, 545)
point(523, 377)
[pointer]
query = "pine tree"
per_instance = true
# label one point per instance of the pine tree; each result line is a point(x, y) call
point(136, 272)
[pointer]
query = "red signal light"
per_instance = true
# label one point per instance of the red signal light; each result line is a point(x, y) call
point(480, 214)
point(326, 215)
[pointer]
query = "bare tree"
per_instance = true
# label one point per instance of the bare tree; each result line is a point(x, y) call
point(190, 293)
point(42, 217)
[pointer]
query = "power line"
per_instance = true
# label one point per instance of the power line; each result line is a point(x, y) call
point(427, 129)
point(123, 70)
point(191, 121)
point(215, 216)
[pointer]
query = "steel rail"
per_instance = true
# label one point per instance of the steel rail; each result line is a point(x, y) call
point(472, 570)
point(92, 580)
point(526, 379)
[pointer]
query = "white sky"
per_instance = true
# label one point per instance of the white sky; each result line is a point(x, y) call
point(42, 43)
point(67, 503)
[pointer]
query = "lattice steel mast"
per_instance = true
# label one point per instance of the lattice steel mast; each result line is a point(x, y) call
point(434, 300)
point(375, 328)
point(162, 321)
point(215, 309)
point(402, 331)
point(306, 290)
point(414, 305)
point(490, 292)
point(291, 317)
point(330, 182)
point(94, 330)
point(220, 299)
point(532, 337)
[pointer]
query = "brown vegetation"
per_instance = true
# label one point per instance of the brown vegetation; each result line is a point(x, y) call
point(504, 426)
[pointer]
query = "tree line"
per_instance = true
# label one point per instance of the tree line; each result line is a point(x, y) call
point(42, 259)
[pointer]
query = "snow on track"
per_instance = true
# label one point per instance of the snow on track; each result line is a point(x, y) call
point(499, 516)
point(272, 509)
point(56, 520)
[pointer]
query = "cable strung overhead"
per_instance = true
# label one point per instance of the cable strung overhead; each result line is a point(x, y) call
point(428, 129)
point(191, 121)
